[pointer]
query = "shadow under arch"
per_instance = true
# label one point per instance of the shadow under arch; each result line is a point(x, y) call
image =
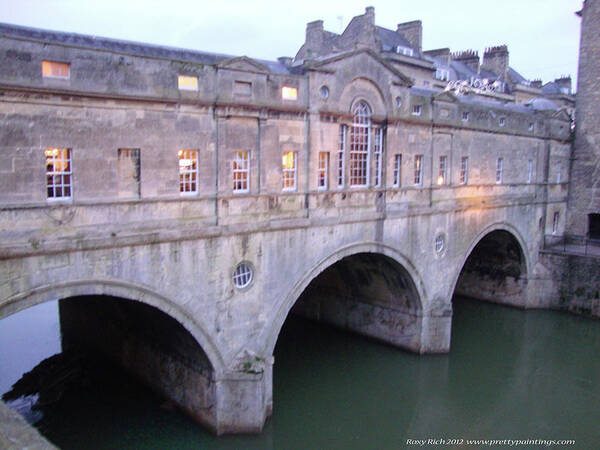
point(399, 261)
point(495, 266)
point(117, 289)
point(366, 89)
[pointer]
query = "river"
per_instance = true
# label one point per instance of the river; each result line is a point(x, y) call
point(510, 374)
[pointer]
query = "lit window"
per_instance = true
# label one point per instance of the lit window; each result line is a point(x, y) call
point(323, 174)
point(397, 169)
point(418, 178)
point(243, 275)
point(499, 170)
point(529, 171)
point(377, 150)
point(54, 69)
point(555, 223)
point(289, 93)
point(188, 171)
point(416, 110)
point(187, 83)
point(502, 121)
point(443, 169)
point(464, 170)
point(58, 173)
point(465, 116)
point(341, 155)
point(359, 144)
point(241, 173)
point(289, 171)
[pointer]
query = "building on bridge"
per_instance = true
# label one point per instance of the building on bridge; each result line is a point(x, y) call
point(220, 192)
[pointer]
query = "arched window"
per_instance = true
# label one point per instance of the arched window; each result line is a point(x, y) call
point(360, 136)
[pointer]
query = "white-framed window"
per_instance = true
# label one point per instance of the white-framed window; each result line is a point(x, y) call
point(442, 74)
point(465, 116)
point(559, 172)
point(289, 93)
point(530, 126)
point(464, 170)
point(502, 121)
point(288, 162)
point(243, 275)
point(341, 165)
point(323, 171)
point(442, 174)
point(188, 171)
point(55, 69)
point(529, 171)
point(360, 136)
point(241, 171)
point(58, 173)
point(418, 172)
point(397, 169)
point(499, 170)
point(404, 50)
point(416, 111)
point(378, 151)
point(187, 83)
point(555, 222)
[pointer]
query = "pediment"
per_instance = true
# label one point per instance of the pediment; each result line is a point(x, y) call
point(243, 63)
point(562, 114)
point(446, 96)
point(360, 54)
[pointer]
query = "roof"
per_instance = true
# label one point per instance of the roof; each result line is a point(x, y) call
point(390, 40)
point(122, 46)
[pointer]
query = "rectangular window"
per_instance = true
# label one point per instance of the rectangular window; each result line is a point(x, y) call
point(289, 93)
point(129, 172)
point(187, 83)
point(442, 74)
point(289, 171)
point(464, 170)
point(555, 223)
point(502, 121)
point(418, 178)
point(323, 173)
point(58, 173)
point(242, 88)
point(530, 171)
point(499, 170)
point(397, 170)
point(559, 172)
point(54, 69)
point(188, 171)
point(340, 156)
point(443, 170)
point(465, 116)
point(377, 150)
point(416, 111)
point(241, 171)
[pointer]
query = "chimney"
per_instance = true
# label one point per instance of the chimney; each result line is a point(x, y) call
point(367, 37)
point(413, 33)
point(443, 54)
point(564, 83)
point(537, 83)
point(495, 59)
point(314, 38)
point(370, 15)
point(469, 58)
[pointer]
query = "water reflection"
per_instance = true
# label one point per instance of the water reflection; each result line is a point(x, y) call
point(510, 374)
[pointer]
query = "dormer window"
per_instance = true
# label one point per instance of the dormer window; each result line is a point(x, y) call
point(54, 69)
point(442, 74)
point(404, 50)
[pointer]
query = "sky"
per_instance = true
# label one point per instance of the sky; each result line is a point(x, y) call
point(542, 35)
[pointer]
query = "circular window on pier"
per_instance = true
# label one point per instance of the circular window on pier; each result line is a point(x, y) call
point(324, 92)
point(440, 243)
point(243, 275)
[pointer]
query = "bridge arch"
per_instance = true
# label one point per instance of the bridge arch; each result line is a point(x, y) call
point(408, 269)
point(507, 283)
point(119, 289)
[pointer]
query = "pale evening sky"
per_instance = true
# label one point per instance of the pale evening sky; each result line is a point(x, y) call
point(542, 35)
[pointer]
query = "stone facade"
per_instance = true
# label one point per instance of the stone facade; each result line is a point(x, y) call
point(584, 195)
point(175, 166)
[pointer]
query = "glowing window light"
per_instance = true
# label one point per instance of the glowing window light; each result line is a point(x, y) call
point(289, 171)
point(188, 171)
point(54, 69)
point(289, 93)
point(58, 173)
point(187, 83)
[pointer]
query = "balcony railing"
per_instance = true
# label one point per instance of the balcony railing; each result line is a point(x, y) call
point(572, 244)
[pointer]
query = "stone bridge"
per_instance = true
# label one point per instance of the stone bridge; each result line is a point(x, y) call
point(208, 344)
